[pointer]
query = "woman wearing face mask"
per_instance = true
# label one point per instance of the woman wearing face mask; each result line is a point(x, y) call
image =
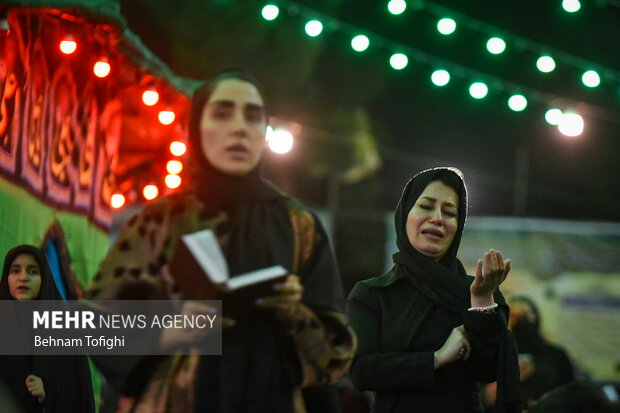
point(263, 364)
point(429, 333)
point(41, 383)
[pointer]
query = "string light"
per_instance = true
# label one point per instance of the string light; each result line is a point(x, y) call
point(101, 68)
point(553, 116)
point(446, 26)
point(591, 78)
point(270, 12)
point(314, 28)
point(495, 45)
point(150, 97)
point(172, 181)
point(571, 6)
point(399, 61)
point(174, 167)
point(166, 117)
point(545, 64)
point(67, 45)
point(177, 148)
point(396, 7)
point(117, 200)
point(360, 43)
point(517, 103)
point(478, 90)
point(440, 77)
point(150, 192)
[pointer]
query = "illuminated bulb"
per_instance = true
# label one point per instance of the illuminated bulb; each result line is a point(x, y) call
point(150, 192)
point(360, 43)
point(177, 148)
point(545, 64)
point(101, 68)
point(517, 103)
point(270, 12)
point(591, 78)
point(553, 116)
point(172, 181)
point(396, 7)
point(174, 167)
point(314, 28)
point(571, 6)
point(279, 141)
point(166, 117)
point(440, 77)
point(446, 26)
point(495, 45)
point(117, 200)
point(67, 46)
point(399, 61)
point(571, 124)
point(150, 97)
point(478, 90)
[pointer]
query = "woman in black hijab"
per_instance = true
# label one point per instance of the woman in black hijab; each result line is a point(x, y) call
point(428, 332)
point(265, 360)
point(41, 383)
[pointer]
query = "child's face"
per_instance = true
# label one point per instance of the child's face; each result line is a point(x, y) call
point(24, 278)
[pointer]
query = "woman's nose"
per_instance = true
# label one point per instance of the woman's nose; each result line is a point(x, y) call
point(436, 216)
point(239, 124)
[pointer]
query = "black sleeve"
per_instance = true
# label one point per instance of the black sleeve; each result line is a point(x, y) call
point(373, 369)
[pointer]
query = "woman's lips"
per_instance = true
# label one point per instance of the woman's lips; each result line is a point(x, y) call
point(433, 233)
point(237, 150)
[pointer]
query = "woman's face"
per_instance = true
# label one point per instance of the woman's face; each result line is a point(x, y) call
point(433, 220)
point(24, 278)
point(233, 127)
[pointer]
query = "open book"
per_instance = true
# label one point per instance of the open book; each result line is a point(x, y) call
point(199, 268)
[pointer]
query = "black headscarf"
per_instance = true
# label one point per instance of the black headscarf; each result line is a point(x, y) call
point(446, 283)
point(66, 379)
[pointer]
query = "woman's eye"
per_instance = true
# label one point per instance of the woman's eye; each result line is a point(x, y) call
point(450, 213)
point(34, 272)
point(220, 114)
point(425, 206)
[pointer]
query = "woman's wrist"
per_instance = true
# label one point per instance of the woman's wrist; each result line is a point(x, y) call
point(482, 301)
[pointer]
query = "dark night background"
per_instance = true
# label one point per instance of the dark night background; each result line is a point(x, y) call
point(353, 106)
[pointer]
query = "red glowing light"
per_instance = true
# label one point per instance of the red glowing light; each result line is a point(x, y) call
point(150, 97)
point(174, 167)
point(166, 117)
point(117, 200)
point(67, 46)
point(173, 181)
point(150, 192)
point(101, 68)
point(177, 148)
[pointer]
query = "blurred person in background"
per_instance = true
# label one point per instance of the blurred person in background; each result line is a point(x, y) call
point(40, 383)
point(296, 339)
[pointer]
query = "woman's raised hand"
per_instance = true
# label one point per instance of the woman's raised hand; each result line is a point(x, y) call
point(490, 273)
point(454, 348)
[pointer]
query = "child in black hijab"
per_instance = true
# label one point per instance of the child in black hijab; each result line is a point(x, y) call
point(41, 383)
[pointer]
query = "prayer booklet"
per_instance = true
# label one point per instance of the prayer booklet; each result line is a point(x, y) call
point(199, 268)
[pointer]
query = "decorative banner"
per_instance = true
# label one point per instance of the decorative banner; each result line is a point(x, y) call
point(52, 140)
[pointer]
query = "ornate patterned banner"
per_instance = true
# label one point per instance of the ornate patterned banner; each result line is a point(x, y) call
point(59, 129)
